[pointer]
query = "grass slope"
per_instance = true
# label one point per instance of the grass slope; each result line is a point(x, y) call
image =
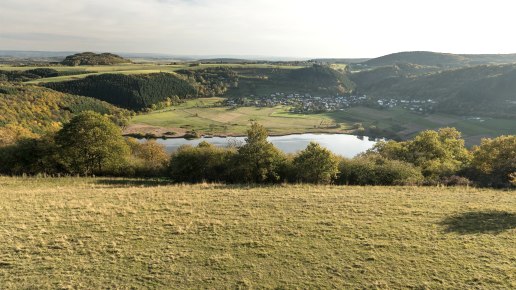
point(98, 233)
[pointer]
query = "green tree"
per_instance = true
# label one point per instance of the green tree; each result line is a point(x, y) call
point(258, 160)
point(315, 164)
point(495, 160)
point(91, 144)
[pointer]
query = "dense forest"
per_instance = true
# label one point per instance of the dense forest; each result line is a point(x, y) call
point(32, 110)
point(90, 58)
point(134, 92)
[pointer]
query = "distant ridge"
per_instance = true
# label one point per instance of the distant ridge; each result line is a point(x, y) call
point(428, 58)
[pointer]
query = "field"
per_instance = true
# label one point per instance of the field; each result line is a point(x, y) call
point(204, 115)
point(115, 233)
point(131, 69)
point(406, 123)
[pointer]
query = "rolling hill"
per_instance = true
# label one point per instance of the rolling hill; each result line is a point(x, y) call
point(314, 80)
point(90, 58)
point(444, 60)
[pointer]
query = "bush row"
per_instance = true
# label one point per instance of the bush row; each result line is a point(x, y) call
point(92, 145)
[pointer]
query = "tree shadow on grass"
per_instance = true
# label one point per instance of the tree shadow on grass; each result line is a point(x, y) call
point(480, 222)
point(134, 182)
point(154, 182)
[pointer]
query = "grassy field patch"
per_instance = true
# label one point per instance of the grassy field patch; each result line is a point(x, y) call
point(202, 115)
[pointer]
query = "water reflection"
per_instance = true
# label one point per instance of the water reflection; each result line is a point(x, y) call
point(340, 144)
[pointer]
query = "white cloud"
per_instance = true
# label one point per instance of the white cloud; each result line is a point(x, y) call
point(324, 28)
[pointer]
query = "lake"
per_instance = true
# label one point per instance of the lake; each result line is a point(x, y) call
point(340, 144)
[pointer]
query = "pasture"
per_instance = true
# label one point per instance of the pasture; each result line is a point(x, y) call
point(205, 115)
point(90, 233)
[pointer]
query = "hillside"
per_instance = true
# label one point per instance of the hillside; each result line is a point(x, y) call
point(134, 92)
point(90, 58)
point(384, 76)
point(40, 109)
point(314, 80)
point(94, 232)
point(479, 90)
point(445, 60)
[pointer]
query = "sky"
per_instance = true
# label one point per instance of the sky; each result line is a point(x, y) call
point(281, 28)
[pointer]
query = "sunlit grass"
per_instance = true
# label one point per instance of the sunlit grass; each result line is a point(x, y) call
point(118, 233)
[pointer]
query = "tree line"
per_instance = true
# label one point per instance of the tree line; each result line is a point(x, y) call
point(91, 144)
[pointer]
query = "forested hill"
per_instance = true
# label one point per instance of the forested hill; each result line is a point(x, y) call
point(445, 60)
point(90, 58)
point(41, 110)
point(135, 92)
point(321, 76)
point(315, 80)
point(478, 90)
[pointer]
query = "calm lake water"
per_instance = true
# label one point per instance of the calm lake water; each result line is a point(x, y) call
point(340, 144)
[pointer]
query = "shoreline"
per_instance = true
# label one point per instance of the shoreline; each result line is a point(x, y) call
point(149, 136)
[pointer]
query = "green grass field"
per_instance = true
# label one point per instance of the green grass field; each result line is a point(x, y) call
point(74, 233)
point(201, 115)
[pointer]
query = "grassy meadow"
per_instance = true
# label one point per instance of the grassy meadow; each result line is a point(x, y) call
point(204, 115)
point(120, 233)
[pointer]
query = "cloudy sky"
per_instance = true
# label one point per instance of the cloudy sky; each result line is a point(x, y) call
point(295, 28)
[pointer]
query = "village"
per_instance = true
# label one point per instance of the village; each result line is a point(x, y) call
point(307, 103)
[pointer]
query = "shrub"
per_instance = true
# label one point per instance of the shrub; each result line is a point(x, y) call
point(30, 156)
point(373, 169)
point(148, 159)
point(202, 163)
point(438, 153)
point(456, 180)
point(494, 161)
